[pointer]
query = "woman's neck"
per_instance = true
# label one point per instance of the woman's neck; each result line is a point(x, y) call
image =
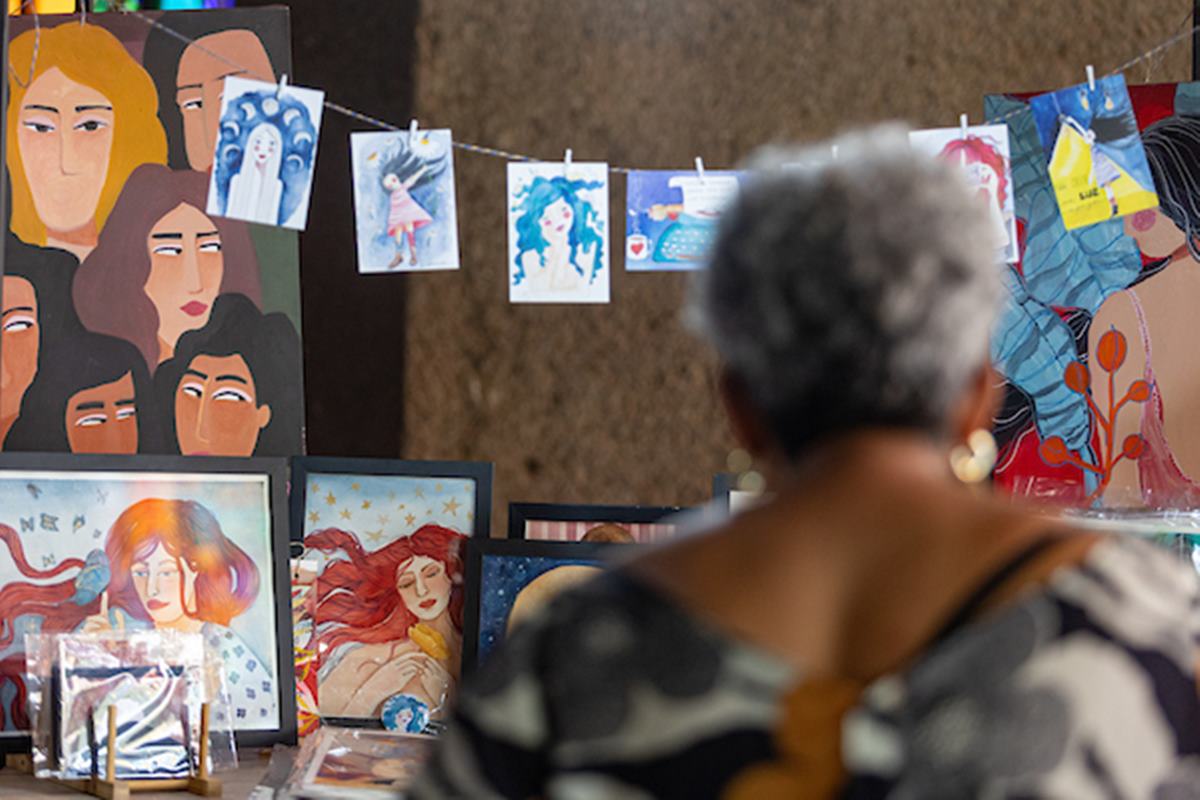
point(443, 625)
point(6, 424)
point(165, 350)
point(184, 624)
point(79, 242)
point(877, 457)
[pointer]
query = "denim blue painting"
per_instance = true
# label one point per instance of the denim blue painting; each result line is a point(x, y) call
point(514, 586)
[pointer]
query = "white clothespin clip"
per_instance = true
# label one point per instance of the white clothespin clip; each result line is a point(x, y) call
point(700, 168)
point(412, 133)
point(280, 88)
point(1091, 73)
point(82, 13)
point(962, 128)
point(567, 161)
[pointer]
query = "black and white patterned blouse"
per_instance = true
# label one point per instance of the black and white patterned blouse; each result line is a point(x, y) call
point(1084, 687)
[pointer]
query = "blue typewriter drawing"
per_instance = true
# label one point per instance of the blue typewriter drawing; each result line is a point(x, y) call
point(672, 217)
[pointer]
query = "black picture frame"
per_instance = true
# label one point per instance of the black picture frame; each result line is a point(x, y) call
point(521, 513)
point(275, 470)
point(723, 484)
point(603, 553)
point(304, 466)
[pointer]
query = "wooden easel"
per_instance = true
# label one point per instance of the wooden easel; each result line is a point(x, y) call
point(109, 788)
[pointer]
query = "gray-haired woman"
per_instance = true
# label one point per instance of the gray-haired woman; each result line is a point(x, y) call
point(876, 628)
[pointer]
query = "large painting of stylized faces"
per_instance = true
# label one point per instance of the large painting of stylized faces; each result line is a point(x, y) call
point(389, 591)
point(510, 582)
point(404, 211)
point(554, 522)
point(266, 149)
point(558, 233)
point(1095, 336)
point(108, 123)
point(125, 549)
point(672, 217)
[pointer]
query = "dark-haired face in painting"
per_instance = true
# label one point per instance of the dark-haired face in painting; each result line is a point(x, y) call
point(103, 419)
point(216, 408)
point(202, 71)
point(65, 138)
point(21, 337)
point(229, 390)
point(91, 394)
point(186, 268)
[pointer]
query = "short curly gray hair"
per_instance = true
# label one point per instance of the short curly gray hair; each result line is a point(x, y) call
point(852, 291)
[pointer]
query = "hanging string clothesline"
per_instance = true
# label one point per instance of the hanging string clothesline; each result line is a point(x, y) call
point(495, 151)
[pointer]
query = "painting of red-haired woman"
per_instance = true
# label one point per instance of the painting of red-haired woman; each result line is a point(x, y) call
point(389, 621)
point(164, 564)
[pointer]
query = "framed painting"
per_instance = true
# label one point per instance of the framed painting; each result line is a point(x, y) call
point(349, 764)
point(147, 325)
point(509, 580)
point(119, 543)
point(552, 522)
point(1088, 421)
point(729, 497)
point(386, 538)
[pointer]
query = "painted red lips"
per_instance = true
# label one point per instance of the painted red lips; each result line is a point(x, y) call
point(194, 309)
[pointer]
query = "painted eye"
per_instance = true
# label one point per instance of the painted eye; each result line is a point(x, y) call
point(18, 324)
point(140, 573)
point(167, 250)
point(210, 247)
point(232, 395)
point(126, 413)
point(192, 390)
point(91, 420)
point(39, 127)
point(91, 125)
point(192, 105)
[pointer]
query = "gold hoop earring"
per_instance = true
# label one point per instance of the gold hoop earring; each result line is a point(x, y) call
point(974, 461)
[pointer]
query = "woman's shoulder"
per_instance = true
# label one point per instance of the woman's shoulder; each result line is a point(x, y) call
point(1092, 673)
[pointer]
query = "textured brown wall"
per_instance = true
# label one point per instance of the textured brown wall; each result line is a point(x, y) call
point(614, 404)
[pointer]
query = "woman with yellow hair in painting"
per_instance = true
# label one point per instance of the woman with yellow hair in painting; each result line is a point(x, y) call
point(82, 115)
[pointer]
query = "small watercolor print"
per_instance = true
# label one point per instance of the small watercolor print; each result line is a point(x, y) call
point(671, 219)
point(404, 205)
point(265, 153)
point(983, 152)
point(558, 232)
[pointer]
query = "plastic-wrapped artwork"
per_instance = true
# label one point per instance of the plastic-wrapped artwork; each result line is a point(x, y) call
point(1088, 420)
point(347, 763)
point(156, 680)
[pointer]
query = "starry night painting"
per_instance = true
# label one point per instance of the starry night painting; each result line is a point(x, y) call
point(389, 588)
point(514, 586)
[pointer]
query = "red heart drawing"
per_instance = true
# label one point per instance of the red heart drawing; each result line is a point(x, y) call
point(637, 248)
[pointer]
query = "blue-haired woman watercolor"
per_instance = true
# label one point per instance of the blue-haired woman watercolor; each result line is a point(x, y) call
point(560, 235)
point(265, 154)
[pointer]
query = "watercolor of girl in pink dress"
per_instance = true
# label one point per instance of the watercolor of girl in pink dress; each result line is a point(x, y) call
point(404, 201)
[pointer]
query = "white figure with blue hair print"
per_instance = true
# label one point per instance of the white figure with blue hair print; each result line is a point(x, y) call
point(262, 169)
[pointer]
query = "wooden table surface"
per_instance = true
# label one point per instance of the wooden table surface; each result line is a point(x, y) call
point(237, 784)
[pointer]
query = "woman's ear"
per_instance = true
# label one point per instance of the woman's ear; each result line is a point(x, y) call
point(748, 426)
point(978, 404)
